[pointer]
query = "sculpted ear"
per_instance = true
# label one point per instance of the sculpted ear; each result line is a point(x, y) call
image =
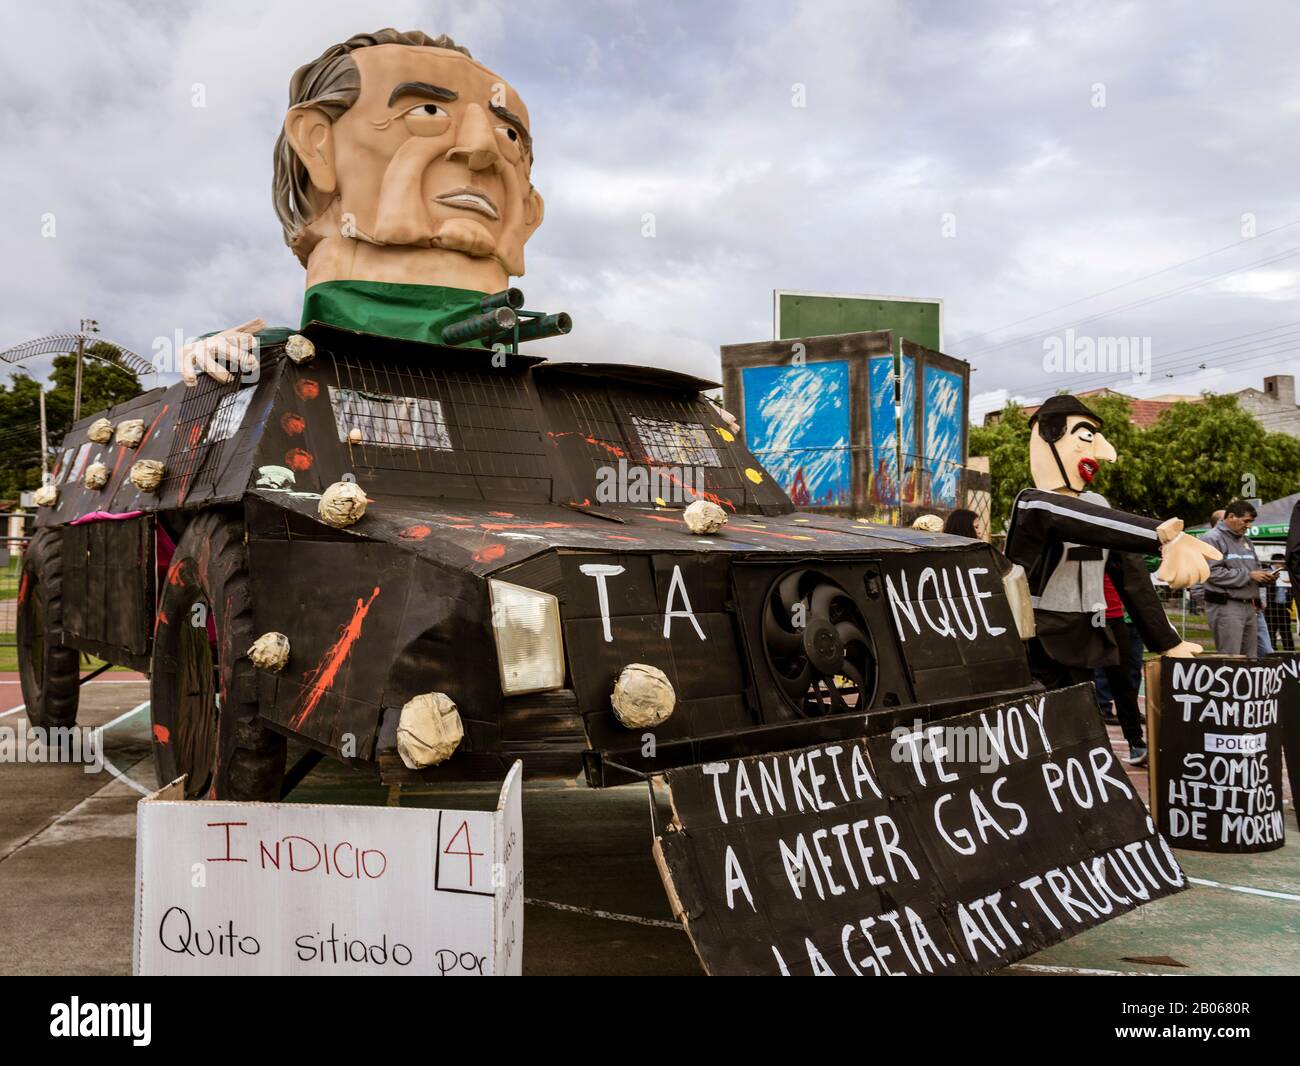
point(310, 133)
point(534, 209)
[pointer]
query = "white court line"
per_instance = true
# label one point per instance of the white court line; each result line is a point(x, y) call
point(656, 923)
point(1270, 893)
point(99, 732)
point(122, 717)
point(13, 710)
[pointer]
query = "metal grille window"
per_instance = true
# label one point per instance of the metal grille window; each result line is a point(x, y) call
point(675, 443)
point(391, 421)
point(229, 416)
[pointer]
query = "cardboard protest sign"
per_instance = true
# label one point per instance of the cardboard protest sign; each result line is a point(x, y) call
point(952, 847)
point(285, 888)
point(1216, 739)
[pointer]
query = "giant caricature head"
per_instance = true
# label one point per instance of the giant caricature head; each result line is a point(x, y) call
point(1066, 447)
point(402, 159)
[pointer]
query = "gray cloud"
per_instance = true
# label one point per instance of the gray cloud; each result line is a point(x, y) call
point(684, 112)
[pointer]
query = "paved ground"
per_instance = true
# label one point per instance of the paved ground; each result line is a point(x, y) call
point(595, 904)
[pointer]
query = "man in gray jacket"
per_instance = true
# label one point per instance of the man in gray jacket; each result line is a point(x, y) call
point(1233, 586)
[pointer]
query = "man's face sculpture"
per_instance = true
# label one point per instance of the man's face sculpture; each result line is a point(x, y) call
point(434, 154)
point(1079, 452)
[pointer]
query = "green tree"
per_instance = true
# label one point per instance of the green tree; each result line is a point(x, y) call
point(102, 386)
point(20, 435)
point(1006, 443)
point(1199, 456)
point(20, 417)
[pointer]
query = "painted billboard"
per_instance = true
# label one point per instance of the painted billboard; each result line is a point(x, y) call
point(797, 426)
point(888, 465)
point(944, 417)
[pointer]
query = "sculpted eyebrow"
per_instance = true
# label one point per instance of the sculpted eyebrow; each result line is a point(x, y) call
point(422, 89)
point(515, 121)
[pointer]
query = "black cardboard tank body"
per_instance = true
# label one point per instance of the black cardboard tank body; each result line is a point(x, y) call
point(501, 478)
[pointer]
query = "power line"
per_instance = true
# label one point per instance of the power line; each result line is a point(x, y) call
point(1215, 350)
point(1134, 281)
point(1269, 350)
point(1266, 261)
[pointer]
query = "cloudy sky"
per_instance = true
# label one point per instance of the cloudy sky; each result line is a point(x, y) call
point(1125, 170)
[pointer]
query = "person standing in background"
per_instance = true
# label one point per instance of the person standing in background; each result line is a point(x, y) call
point(1292, 563)
point(1232, 590)
point(1278, 615)
point(1119, 676)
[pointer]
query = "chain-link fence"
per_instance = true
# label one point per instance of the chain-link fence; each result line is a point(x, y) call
point(12, 548)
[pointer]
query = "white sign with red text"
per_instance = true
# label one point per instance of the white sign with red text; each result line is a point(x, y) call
point(288, 888)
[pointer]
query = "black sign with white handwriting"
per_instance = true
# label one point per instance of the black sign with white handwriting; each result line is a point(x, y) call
point(1217, 782)
point(951, 847)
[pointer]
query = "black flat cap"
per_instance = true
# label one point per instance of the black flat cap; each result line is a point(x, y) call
point(1060, 406)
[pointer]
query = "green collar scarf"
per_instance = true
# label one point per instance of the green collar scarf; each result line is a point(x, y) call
point(408, 312)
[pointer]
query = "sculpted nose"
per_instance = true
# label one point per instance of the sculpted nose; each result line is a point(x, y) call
point(1103, 449)
point(476, 142)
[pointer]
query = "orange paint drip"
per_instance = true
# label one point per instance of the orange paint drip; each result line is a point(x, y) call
point(189, 464)
point(415, 532)
point(322, 678)
point(496, 527)
point(490, 554)
point(22, 589)
point(152, 426)
point(161, 733)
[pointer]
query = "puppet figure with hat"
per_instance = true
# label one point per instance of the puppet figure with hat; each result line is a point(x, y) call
point(1067, 538)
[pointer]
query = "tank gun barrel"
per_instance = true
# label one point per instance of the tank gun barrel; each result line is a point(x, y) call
point(497, 320)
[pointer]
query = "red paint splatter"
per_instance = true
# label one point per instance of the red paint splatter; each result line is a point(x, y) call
point(772, 533)
point(298, 459)
point(174, 574)
point(306, 388)
point(152, 426)
point(620, 536)
point(22, 589)
point(293, 423)
point(321, 679)
point(490, 554)
point(161, 733)
point(496, 527)
point(613, 449)
point(192, 457)
point(501, 514)
point(415, 532)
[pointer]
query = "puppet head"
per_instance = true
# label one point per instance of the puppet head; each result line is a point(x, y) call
point(404, 160)
point(1066, 448)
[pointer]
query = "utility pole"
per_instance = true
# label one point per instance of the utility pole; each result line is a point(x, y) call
point(88, 325)
point(45, 442)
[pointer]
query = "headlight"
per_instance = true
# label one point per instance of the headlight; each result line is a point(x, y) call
point(1016, 585)
point(526, 624)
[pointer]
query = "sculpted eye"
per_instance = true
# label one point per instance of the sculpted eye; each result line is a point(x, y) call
point(432, 110)
point(1084, 433)
point(509, 131)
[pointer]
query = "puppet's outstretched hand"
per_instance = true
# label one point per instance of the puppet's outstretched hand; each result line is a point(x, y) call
point(1184, 560)
point(234, 348)
point(1185, 650)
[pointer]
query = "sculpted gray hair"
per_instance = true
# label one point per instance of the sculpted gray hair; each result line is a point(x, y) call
point(332, 83)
